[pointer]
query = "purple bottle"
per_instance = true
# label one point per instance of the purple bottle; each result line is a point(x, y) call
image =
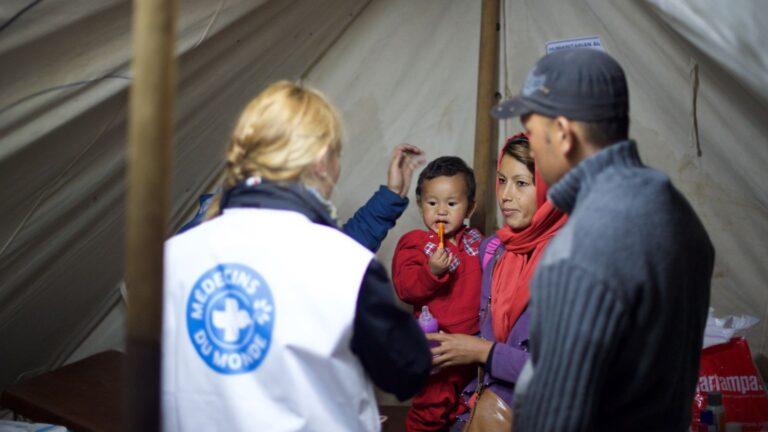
point(428, 324)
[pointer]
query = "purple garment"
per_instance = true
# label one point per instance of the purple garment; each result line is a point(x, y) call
point(508, 358)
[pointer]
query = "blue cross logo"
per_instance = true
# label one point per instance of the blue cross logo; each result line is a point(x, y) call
point(230, 317)
point(231, 320)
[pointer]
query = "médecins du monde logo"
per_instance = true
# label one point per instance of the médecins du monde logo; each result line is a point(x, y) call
point(230, 317)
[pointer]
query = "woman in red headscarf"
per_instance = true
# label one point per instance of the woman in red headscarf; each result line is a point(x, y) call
point(508, 259)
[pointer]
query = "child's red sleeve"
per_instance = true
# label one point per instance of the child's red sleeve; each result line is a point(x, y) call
point(413, 281)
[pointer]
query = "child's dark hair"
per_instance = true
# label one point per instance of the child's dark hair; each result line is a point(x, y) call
point(447, 166)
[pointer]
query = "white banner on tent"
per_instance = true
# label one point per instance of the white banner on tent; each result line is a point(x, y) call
point(593, 42)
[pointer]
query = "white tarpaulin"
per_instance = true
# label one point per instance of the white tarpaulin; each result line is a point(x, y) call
point(63, 99)
point(397, 81)
point(692, 117)
point(402, 71)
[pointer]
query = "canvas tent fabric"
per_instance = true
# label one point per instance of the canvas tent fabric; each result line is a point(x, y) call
point(678, 55)
point(63, 102)
point(654, 42)
point(399, 71)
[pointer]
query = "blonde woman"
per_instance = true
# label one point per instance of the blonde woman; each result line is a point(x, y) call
point(371, 222)
point(273, 318)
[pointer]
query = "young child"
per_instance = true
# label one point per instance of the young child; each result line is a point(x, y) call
point(446, 279)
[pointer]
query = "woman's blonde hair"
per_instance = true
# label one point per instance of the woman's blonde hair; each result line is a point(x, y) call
point(279, 135)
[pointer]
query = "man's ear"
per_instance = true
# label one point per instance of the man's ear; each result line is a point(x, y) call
point(565, 138)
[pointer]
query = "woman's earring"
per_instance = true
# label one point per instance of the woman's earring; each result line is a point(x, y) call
point(253, 181)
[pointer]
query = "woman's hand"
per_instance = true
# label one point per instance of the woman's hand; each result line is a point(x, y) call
point(458, 349)
point(440, 261)
point(405, 159)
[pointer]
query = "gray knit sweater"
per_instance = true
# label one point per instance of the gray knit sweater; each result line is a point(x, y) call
point(618, 303)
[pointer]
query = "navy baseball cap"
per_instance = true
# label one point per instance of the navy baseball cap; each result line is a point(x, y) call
point(581, 84)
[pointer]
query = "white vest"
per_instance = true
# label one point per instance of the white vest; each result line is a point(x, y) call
point(258, 315)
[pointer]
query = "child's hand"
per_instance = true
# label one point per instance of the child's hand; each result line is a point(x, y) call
point(439, 261)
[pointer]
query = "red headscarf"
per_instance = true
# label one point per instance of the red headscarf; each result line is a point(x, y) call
point(509, 284)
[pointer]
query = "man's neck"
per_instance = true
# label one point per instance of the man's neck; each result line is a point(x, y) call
point(585, 150)
point(564, 192)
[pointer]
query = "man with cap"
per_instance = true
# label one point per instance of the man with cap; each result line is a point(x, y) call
point(619, 300)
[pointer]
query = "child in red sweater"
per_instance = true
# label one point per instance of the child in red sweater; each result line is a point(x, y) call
point(446, 279)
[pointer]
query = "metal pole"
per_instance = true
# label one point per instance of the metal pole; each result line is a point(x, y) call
point(486, 127)
point(150, 137)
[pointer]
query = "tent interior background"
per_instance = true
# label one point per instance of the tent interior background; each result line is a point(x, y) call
point(399, 71)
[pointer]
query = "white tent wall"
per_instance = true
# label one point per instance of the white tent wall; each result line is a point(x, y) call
point(404, 71)
point(62, 144)
point(726, 182)
point(732, 35)
point(392, 91)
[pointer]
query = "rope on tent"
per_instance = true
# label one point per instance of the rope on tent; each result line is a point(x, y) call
point(60, 87)
point(505, 78)
point(695, 112)
point(19, 14)
point(210, 24)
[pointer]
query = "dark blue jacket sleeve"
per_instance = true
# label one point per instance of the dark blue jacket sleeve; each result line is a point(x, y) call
point(368, 226)
point(371, 222)
point(387, 340)
point(204, 202)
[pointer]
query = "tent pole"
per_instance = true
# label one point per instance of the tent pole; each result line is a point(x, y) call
point(150, 136)
point(486, 127)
